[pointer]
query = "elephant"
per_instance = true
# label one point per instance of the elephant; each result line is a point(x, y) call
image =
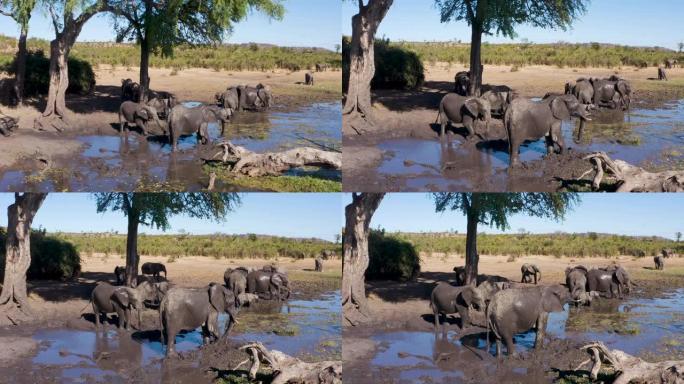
point(162, 105)
point(255, 98)
point(583, 90)
point(268, 285)
point(529, 270)
point(321, 67)
point(120, 273)
point(319, 264)
point(466, 110)
point(106, 298)
point(499, 98)
point(666, 252)
point(154, 269)
point(609, 282)
point(527, 120)
point(145, 293)
point(189, 308)
point(229, 99)
point(236, 281)
point(576, 281)
point(661, 74)
point(481, 278)
point(659, 262)
point(517, 310)
point(188, 121)
point(462, 83)
point(612, 92)
point(309, 78)
point(130, 91)
point(670, 63)
point(138, 114)
point(447, 299)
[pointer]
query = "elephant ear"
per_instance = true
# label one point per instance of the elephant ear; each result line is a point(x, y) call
point(620, 276)
point(552, 300)
point(467, 295)
point(143, 113)
point(559, 109)
point(121, 297)
point(473, 106)
point(622, 87)
point(217, 297)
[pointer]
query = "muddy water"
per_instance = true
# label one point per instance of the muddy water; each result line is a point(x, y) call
point(108, 162)
point(651, 328)
point(644, 137)
point(111, 356)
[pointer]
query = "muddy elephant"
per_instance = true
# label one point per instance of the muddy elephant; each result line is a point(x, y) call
point(189, 308)
point(447, 299)
point(576, 281)
point(309, 78)
point(659, 262)
point(462, 83)
point(465, 110)
point(517, 310)
point(137, 114)
point(154, 269)
point(162, 105)
point(130, 91)
point(236, 281)
point(529, 271)
point(526, 120)
point(612, 92)
point(229, 99)
point(582, 89)
point(318, 264)
point(609, 282)
point(120, 274)
point(269, 285)
point(255, 98)
point(185, 121)
point(106, 298)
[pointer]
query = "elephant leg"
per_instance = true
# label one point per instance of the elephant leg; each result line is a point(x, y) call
point(549, 143)
point(141, 124)
point(121, 318)
point(170, 343)
point(541, 330)
point(436, 319)
point(514, 147)
point(510, 347)
point(469, 124)
point(498, 348)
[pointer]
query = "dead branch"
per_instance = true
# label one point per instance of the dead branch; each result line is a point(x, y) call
point(287, 369)
point(631, 178)
point(628, 368)
point(242, 161)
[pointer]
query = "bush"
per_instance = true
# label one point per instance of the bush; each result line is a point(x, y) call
point(81, 75)
point(391, 258)
point(51, 257)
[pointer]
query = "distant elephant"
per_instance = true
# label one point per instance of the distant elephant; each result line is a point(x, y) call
point(666, 252)
point(229, 99)
point(481, 278)
point(153, 269)
point(321, 67)
point(187, 309)
point(138, 114)
point(319, 264)
point(612, 92)
point(670, 63)
point(236, 281)
point(120, 273)
point(528, 271)
point(268, 285)
point(517, 310)
point(255, 98)
point(659, 262)
point(465, 110)
point(447, 299)
point(583, 90)
point(106, 298)
point(462, 83)
point(187, 121)
point(309, 78)
point(130, 91)
point(661, 74)
point(527, 120)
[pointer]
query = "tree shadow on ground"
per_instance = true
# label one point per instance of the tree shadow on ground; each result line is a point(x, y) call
point(428, 97)
point(60, 291)
point(395, 291)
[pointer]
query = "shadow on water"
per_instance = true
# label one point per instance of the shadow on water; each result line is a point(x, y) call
point(111, 356)
point(109, 162)
point(639, 136)
point(636, 326)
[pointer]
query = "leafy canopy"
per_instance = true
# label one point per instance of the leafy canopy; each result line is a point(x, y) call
point(155, 209)
point(19, 10)
point(494, 209)
point(502, 16)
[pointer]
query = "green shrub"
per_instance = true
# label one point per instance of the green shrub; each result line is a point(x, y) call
point(391, 258)
point(51, 257)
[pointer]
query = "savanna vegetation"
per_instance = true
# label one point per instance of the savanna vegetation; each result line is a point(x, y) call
point(391, 257)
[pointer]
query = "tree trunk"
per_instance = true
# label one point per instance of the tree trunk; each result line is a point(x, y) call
point(20, 215)
point(362, 63)
point(54, 116)
point(21, 66)
point(475, 59)
point(132, 259)
point(472, 256)
point(358, 215)
point(144, 69)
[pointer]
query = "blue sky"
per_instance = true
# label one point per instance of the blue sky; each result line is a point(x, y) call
point(284, 214)
point(626, 22)
point(306, 23)
point(649, 214)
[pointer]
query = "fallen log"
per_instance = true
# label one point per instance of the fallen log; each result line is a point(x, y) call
point(8, 125)
point(288, 369)
point(242, 161)
point(631, 178)
point(628, 368)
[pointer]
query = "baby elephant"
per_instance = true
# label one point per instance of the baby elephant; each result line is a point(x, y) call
point(659, 262)
point(447, 299)
point(319, 264)
point(120, 273)
point(309, 78)
point(137, 114)
point(465, 110)
point(529, 270)
point(661, 74)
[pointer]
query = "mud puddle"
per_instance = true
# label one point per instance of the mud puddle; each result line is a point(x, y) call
point(647, 327)
point(108, 162)
point(307, 328)
point(643, 137)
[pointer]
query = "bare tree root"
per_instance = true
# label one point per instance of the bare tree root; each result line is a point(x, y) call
point(8, 124)
point(288, 369)
point(242, 161)
point(51, 122)
point(631, 178)
point(629, 368)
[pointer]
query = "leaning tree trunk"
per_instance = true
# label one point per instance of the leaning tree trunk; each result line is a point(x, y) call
point(362, 63)
point(21, 66)
point(358, 215)
point(14, 299)
point(54, 116)
point(132, 259)
point(472, 256)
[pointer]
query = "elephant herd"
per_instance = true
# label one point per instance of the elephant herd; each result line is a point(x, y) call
point(180, 120)
point(526, 119)
point(187, 308)
point(507, 308)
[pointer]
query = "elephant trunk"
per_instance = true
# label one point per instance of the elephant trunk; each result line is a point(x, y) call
point(539, 278)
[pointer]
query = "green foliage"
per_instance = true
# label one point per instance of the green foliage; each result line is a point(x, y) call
point(81, 75)
point(52, 257)
point(391, 257)
point(579, 245)
point(19, 9)
point(396, 67)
